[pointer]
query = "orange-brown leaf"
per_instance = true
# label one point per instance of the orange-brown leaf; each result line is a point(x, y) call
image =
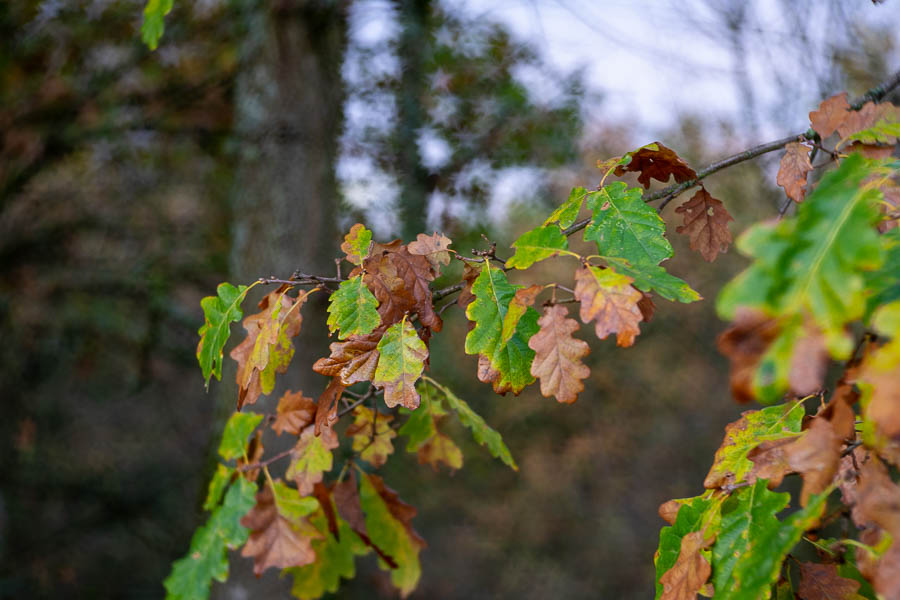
point(706, 223)
point(295, 412)
point(488, 374)
point(400, 280)
point(878, 499)
point(275, 540)
point(770, 462)
point(690, 572)
point(744, 343)
point(609, 298)
point(433, 247)
point(352, 360)
point(830, 114)
point(657, 164)
point(440, 449)
point(822, 582)
point(557, 362)
point(809, 360)
point(326, 407)
point(470, 274)
point(867, 116)
point(646, 306)
point(816, 456)
point(346, 497)
point(372, 435)
point(794, 168)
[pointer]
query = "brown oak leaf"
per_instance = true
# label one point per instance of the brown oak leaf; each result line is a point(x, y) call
point(668, 511)
point(275, 539)
point(352, 360)
point(706, 223)
point(878, 497)
point(440, 449)
point(488, 374)
point(609, 298)
point(400, 281)
point(657, 164)
point(268, 348)
point(770, 461)
point(809, 361)
point(557, 362)
point(470, 274)
point(327, 405)
point(816, 456)
point(295, 412)
point(822, 582)
point(690, 572)
point(744, 343)
point(830, 114)
point(887, 575)
point(323, 494)
point(883, 409)
point(646, 306)
point(433, 247)
point(793, 170)
point(867, 116)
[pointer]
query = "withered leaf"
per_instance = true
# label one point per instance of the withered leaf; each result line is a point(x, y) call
point(793, 170)
point(557, 362)
point(326, 407)
point(878, 499)
point(268, 348)
point(867, 116)
point(690, 573)
point(400, 282)
point(488, 374)
point(822, 582)
point(357, 243)
point(470, 274)
point(400, 510)
point(706, 223)
point(433, 247)
point(346, 497)
point(254, 455)
point(809, 361)
point(372, 435)
point(744, 343)
point(295, 412)
point(646, 306)
point(770, 461)
point(279, 536)
point(657, 164)
point(816, 456)
point(609, 298)
point(353, 360)
point(322, 493)
point(887, 575)
point(441, 449)
point(830, 114)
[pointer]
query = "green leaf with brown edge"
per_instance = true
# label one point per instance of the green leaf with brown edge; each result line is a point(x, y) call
point(883, 132)
point(401, 360)
point(624, 226)
point(352, 309)
point(389, 528)
point(752, 542)
point(483, 433)
point(566, 213)
point(191, 576)
point(220, 312)
point(536, 245)
point(312, 457)
point(511, 358)
point(731, 465)
point(237, 430)
point(693, 514)
point(335, 559)
point(357, 244)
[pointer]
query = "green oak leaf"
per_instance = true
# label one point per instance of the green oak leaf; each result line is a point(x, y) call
point(624, 226)
point(291, 504)
point(335, 559)
point(310, 459)
point(512, 358)
point(814, 264)
point(694, 514)
point(731, 465)
point(566, 213)
point(154, 25)
point(392, 536)
point(419, 426)
point(220, 312)
point(352, 309)
point(206, 560)
point(752, 543)
point(237, 430)
point(357, 243)
point(217, 486)
point(400, 364)
point(536, 245)
point(483, 433)
point(655, 278)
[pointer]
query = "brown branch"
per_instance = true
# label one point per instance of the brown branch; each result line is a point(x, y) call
point(369, 393)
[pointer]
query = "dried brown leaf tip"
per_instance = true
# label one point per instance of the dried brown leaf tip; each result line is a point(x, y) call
point(793, 170)
point(822, 582)
point(744, 343)
point(557, 362)
point(609, 298)
point(657, 164)
point(295, 412)
point(706, 223)
point(690, 572)
point(434, 247)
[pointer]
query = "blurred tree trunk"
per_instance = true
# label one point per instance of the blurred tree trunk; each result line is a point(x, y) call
point(414, 16)
point(288, 113)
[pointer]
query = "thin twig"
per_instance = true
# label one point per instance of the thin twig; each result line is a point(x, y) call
point(357, 402)
point(264, 463)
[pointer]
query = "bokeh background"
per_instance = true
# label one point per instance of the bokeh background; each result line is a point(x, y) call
point(132, 182)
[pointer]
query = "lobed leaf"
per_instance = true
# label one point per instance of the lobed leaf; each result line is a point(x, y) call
point(566, 213)
point(335, 559)
point(624, 226)
point(357, 244)
point(558, 355)
point(237, 430)
point(220, 312)
point(657, 279)
point(536, 245)
point(311, 458)
point(693, 515)
point(658, 162)
point(372, 435)
point(609, 298)
point(352, 309)
point(400, 364)
point(793, 170)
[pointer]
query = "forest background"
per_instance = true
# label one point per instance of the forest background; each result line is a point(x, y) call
point(132, 182)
